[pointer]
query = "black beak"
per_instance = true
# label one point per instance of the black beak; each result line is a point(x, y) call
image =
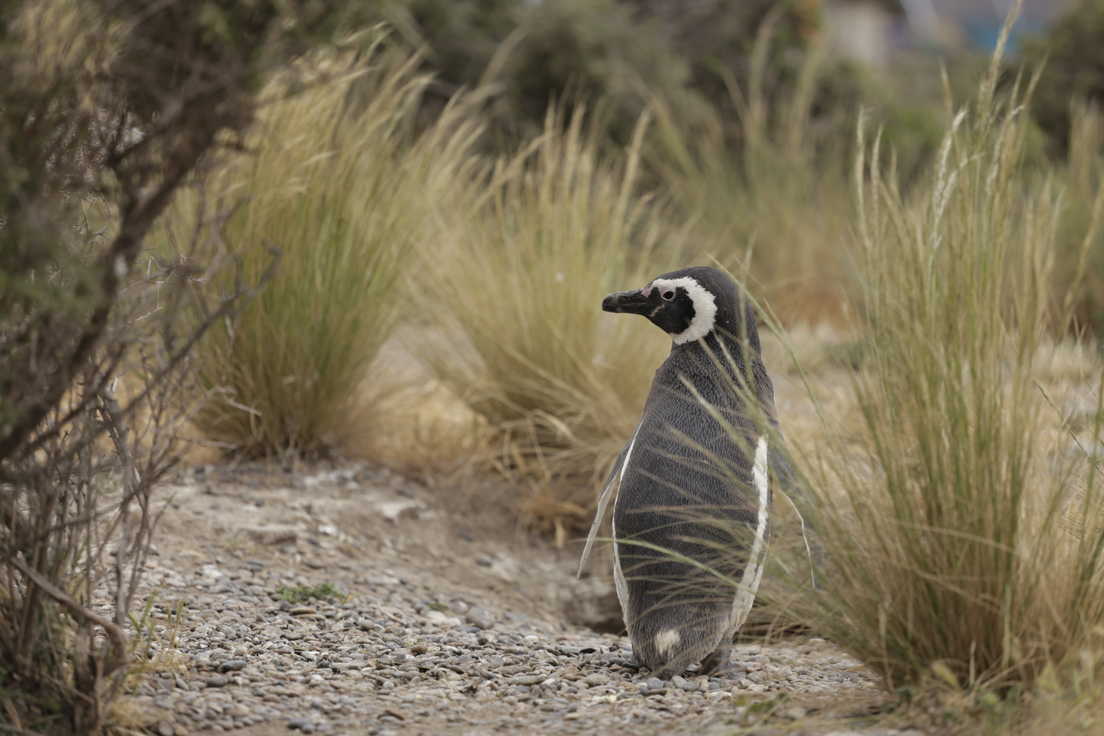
point(633, 302)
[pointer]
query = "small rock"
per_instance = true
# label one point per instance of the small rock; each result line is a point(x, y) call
point(653, 686)
point(398, 509)
point(164, 728)
point(441, 619)
point(232, 665)
point(528, 679)
point(301, 724)
point(273, 535)
point(480, 618)
point(217, 681)
point(683, 684)
point(795, 713)
point(304, 611)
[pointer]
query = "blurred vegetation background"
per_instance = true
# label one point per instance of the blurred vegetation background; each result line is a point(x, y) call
point(414, 208)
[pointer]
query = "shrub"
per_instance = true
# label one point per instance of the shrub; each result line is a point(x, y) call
point(771, 202)
point(1079, 271)
point(83, 124)
point(340, 186)
point(717, 40)
point(591, 51)
point(459, 37)
point(1072, 62)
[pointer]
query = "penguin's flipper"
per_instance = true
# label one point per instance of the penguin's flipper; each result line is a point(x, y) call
point(782, 467)
point(615, 474)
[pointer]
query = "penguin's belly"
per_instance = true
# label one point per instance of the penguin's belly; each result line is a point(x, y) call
point(690, 524)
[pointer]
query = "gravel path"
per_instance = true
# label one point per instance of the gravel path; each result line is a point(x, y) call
point(345, 602)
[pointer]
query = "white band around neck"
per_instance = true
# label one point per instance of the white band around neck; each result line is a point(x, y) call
point(705, 307)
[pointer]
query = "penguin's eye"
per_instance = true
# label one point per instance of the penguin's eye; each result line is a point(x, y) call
point(668, 295)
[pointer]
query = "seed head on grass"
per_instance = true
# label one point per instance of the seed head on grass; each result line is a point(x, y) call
point(946, 526)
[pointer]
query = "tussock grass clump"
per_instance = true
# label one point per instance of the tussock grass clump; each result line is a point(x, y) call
point(516, 288)
point(338, 185)
point(958, 538)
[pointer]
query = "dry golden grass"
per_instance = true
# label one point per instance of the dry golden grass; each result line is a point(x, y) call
point(961, 521)
point(340, 187)
point(512, 285)
point(963, 526)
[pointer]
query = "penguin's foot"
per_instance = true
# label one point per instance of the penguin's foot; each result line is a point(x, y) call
point(631, 662)
point(719, 663)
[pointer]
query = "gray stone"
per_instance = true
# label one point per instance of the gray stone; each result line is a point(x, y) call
point(528, 679)
point(301, 724)
point(683, 684)
point(479, 618)
point(794, 713)
point(273, 535)
point(498, 659)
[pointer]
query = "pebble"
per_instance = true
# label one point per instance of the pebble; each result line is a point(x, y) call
point(410, 649)
point(299, 724)
point(527, 679)
point(479, 618)
point(683, 684)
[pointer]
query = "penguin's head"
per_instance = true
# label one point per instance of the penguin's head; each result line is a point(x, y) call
point(690, 304)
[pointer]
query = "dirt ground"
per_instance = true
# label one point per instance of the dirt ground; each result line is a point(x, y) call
point(348, 599)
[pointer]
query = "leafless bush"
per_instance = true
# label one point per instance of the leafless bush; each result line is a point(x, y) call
point(76, 512)
point(107, 107)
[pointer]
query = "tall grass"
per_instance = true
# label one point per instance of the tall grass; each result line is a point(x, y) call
point(340, 187)
point(515, 288)
point(773, 207)
point(963, 535)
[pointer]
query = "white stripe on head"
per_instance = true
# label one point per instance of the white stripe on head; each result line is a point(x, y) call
point(753, 572)
point(705, 307)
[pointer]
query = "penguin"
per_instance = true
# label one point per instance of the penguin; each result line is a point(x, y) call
point(690, 490)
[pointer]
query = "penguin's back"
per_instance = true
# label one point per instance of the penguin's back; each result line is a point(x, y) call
point(690, 507)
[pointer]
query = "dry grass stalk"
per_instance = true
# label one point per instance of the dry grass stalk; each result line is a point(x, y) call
point(946, 525)
point(514, 285)
point(340, 185)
